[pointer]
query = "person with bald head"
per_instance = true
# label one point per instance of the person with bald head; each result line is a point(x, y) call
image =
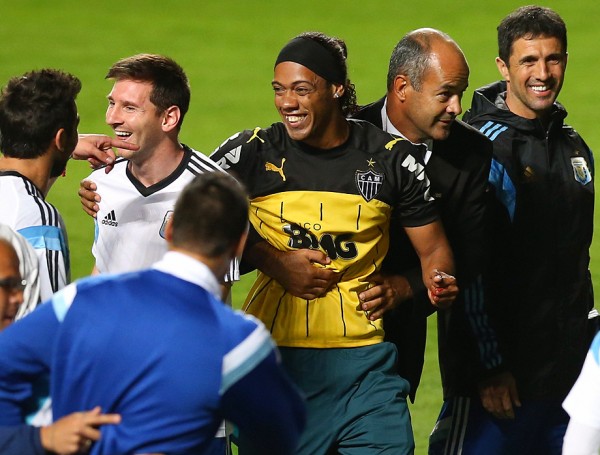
point(11, 284)
point(68, 435)
point(428, 74)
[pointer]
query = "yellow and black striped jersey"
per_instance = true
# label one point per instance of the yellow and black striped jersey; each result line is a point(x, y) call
point(338, 201)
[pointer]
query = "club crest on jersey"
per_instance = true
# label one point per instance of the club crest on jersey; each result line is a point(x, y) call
point(369, 183)
point(580, 170)
point(163, 226)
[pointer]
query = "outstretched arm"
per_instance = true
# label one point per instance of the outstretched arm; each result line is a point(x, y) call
point(437, 262)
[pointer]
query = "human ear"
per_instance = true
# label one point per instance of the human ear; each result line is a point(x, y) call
point(503, 68)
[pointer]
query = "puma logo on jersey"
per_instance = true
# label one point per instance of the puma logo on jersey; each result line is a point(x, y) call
point(255, 135)
point(279, 170)
point(110, 219)
point(391, 144)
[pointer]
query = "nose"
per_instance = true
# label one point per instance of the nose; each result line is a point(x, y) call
point(112, 116)
point(542, 70)
point(454, 107)
point(16, 297)
point(288, 100)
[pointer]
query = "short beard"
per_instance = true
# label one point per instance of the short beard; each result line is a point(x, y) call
point(58, 168)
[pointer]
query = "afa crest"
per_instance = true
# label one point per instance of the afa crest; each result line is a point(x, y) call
point(369, 183)
point(580, 170)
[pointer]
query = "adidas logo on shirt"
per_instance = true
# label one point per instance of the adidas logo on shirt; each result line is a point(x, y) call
point(110, 219)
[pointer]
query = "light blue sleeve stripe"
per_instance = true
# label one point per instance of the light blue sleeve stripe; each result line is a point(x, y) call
point(501, 130)
point(96, 230)
point(505, 189)
point(478, 318)
point(595, 348)
point(484, 129)
point(245, 357)
point(62, 300)
point(45, 237)
point(493, 130)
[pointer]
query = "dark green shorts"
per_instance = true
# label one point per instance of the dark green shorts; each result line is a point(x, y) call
point(355, 399)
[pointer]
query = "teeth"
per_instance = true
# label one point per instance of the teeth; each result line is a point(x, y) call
point(122, 134)
point(293, 118)
point(539, 88)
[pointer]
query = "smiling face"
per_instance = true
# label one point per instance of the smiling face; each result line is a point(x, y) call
point(428, 113)
point(307, 106)
point(134, 117)
point(11, 292)
point(534, 74)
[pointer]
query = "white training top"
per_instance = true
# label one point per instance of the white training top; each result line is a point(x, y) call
point(23, 208)
point(132, 218)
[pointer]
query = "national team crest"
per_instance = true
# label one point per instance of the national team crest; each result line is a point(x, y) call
point(580, 170)
point(369, 183)
point(166, 219)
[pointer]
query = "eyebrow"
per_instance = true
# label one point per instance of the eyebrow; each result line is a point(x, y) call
point(302, 81)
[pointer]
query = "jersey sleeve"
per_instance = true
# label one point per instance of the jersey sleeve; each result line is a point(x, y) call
point(22, 440)
point(414, 206)
point(51, 247)
point(29, 342)
point(259, 398)
point(238, 156)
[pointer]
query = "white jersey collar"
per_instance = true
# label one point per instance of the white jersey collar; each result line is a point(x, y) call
point(389, 127)
point(189, 269)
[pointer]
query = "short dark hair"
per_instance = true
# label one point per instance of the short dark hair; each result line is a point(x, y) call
point(33, 107)
point(529, 22)
point(412, 55)
point(211, 214)
point(170, 85)
point(337, 47)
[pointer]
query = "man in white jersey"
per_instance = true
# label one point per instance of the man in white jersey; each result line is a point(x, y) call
point(146, 107)
point(38, 129)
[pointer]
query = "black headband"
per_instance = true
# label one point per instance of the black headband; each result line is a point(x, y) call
point(314, 56)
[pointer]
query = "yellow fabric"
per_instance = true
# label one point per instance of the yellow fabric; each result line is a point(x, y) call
point(354, 233)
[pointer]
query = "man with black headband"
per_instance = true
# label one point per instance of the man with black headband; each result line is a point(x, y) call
point(322, 190)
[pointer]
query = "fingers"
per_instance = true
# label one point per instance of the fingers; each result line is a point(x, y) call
point(118, 143)
point(444, 289)
point(316, 256)
point(88, 185)
point(376, 301)
point(88, 197)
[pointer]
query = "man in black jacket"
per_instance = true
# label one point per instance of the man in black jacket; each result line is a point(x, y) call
point(542, 176)
point(427, 76)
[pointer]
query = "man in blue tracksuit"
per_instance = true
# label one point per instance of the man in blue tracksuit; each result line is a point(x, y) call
point(158, 347)
point(542, 223)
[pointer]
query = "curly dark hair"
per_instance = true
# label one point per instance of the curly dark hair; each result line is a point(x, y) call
point(33, 107)
point(170, 85)
point(338, 49)
point(529, 22)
